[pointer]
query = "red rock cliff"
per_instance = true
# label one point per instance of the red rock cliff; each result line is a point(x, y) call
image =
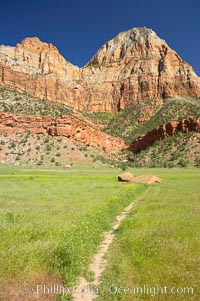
point(136, 65)
point(66, 126)
point(165, 130)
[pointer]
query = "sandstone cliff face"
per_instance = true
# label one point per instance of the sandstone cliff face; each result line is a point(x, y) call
point(134, 66)
point(37, 58)
point(39, 69)
point(142, 66)
point(165, 130)
point(66, 126)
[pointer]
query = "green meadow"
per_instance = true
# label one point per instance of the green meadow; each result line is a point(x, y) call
point(52, 221)
point(158, 244)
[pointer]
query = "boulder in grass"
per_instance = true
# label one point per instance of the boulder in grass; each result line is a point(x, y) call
point(126, 177)
point(146, 179)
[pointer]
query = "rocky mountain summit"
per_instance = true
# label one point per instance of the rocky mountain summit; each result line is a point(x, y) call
point(36, 58)
point(134, 93)
point(134, 66)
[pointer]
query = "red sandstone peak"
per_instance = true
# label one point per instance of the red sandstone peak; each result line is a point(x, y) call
point(35, 44)
point(137, 43)
point(134, 66)
point(141, 67)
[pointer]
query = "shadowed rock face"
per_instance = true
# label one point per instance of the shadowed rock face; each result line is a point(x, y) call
point(136, 65)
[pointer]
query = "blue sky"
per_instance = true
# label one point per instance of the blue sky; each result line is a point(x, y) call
point(78, 28)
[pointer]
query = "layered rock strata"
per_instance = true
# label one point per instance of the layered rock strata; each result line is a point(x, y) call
point(66, 126)
point(165, 130)
point(134, 66)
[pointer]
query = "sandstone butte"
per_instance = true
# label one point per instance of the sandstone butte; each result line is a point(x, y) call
point(134, 66)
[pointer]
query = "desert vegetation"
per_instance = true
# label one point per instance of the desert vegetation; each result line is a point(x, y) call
point(32, 149)
point(14, 102)
point(125, 124)
point(182, 150)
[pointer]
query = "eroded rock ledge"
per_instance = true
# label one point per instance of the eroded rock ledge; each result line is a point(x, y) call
point(191, 124)
point(66, 126)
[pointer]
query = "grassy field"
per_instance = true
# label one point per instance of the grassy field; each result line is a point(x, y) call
point(158, 244)
point(52, 220)
point(51, 223)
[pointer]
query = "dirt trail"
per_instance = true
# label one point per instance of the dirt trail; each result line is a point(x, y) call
point(84, 291)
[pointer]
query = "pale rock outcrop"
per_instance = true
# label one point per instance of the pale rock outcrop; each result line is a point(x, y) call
point(125, 177)
point(145, 179)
